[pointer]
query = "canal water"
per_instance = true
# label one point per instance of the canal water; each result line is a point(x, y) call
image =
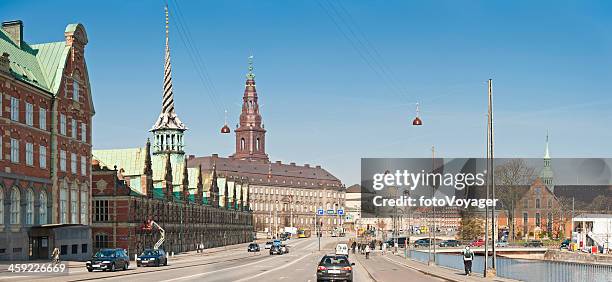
point(526, 270)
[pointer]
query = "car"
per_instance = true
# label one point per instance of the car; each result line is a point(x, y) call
point(534, 243)
point(501, 244)
point(284, 249)
point(277, 243)
point(565, 244)
point(342, 249)
point(450, 243)
point(335, 267)
point(253, 247)
point(108, 260)
point(268, 245)
point(151, 257)
point(401, 242)
point(477, 243)
point(276, 250)
point(421, 243)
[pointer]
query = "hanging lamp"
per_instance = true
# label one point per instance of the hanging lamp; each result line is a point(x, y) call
point(225, 129)
point(417, 121)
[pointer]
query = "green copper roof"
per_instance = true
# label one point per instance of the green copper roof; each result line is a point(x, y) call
point(40, 65)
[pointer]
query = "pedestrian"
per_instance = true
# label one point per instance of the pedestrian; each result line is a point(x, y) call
point(353, 246)
point(56, 256)
point(367, 251)
point(384, 248)
point(468, 256)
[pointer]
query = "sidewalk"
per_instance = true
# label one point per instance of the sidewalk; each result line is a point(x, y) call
point(446, 273)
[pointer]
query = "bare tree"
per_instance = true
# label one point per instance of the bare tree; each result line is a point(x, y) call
point(511, 178)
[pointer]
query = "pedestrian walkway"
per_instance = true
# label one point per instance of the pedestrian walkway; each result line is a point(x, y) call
point(449, 274)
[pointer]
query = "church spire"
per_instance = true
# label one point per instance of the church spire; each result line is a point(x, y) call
point(168, 129)
point(546, 153)
point(547, 173)
point(250, 134)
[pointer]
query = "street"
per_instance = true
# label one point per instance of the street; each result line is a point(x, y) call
point(236, 264)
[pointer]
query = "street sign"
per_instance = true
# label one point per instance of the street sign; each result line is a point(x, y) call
point(340, 212)
point(320, 212)
point(331, 211)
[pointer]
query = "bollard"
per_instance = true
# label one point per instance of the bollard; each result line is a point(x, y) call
point(135, 257)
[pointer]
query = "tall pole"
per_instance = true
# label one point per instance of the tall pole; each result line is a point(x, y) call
point(486, 245)
point(433, 195)
point(493, 227)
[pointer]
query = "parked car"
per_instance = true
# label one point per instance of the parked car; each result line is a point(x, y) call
point(150, 257)
point(253, 247)
point(268, 245)
point(501, 244)
point(534, 243)
point(108, 260)
point(477, 243)
point(334, 268)
point(565, 244)
point(450, 243)
point(421, 243)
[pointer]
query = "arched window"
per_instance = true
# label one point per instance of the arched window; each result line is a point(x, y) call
point(42, 209)
point(84, 207)
point(242, 144)
point(1, 206)
point(257, 145)
point(15, 203)
point(64, 203)
point(29, 215)
point(74, 197)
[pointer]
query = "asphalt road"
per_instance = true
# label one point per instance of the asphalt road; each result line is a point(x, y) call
point(238, 265)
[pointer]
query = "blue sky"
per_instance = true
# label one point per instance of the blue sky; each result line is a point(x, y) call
point(338, 80)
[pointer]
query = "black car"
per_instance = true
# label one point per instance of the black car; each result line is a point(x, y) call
point(276, 250)
point(449, 243)
point(109, 260)
point(253, 247)
point(534, 243)
point(401, 242)
point(565, 244)
point(150, 257)
point(335, 267)
point(421, 243)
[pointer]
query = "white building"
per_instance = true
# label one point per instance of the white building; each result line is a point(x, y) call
point(593, 230)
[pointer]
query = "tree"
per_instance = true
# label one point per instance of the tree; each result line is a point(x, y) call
point(470, 228)
point(510, 177)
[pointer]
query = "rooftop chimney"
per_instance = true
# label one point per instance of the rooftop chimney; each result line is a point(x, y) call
point(14, 30)
point(292, 164)
point(191, 157)
point(5, 63)
point(318, 166)
point(306, 165)
point(215, 155)
point(278, 162)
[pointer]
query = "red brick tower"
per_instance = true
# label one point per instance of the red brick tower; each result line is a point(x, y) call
point(250, 134)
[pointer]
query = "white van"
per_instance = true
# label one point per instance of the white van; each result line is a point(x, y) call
point(342, 249)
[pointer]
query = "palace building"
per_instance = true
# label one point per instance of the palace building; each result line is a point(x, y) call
point(280, 194)
point(132, 186)
point(46, 111)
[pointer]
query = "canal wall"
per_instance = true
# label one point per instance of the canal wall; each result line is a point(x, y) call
point(558, 255)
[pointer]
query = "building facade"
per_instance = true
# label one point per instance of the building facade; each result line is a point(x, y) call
point(134, 185)
point(46, 111)
point(281, 195)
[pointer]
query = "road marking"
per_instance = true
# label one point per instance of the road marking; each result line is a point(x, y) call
point(262, 273)
point(218, 270)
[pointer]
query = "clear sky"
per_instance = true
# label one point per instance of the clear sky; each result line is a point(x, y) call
point(338, 80)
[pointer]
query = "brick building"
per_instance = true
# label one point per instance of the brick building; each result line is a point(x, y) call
point(281, 195)
point(45, 145)
point(133, 185)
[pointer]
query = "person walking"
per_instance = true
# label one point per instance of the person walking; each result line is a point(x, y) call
point(367, 251)
point(468, 256)
point(384, 248)
point(353, 246)
point(55, 256)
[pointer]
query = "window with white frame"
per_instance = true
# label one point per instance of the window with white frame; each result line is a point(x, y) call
point(64, 204)
point(14, 109)
point(73, 132)
point(73, 205)
point(14, 150)
point(15, 205)
point(42, 118)
point(73, 163)
point(84, 132)
point(62, 124)
point(42, 155)
point(84, 207)
point(62, 160)
point(29, 116)
point(29, 213)
point(75, 90)
point(29, 153)
point(83, 165)
point(42, 208)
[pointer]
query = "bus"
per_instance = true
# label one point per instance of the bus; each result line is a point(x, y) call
point(303, 233)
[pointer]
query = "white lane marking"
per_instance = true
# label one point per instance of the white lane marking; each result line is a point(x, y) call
point(265, 272)
point(11, 277)
point(218, 270)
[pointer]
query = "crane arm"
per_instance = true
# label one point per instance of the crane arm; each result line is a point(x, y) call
point(162, 234)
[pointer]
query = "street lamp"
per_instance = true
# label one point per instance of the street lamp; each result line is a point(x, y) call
point(225, 129)
point(417, 120)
